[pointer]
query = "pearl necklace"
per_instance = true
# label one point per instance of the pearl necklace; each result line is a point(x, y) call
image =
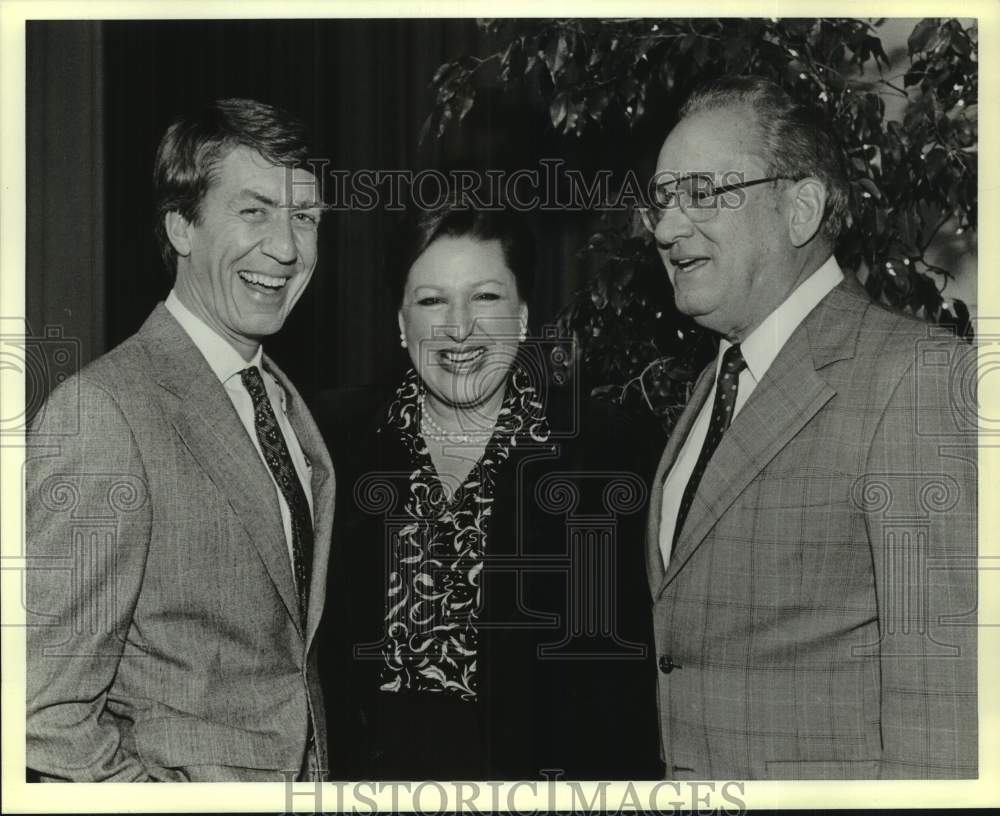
point(436, 431)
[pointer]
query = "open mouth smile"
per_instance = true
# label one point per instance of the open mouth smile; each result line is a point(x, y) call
point(262, 282)
point(461, 360)
point(463, 356)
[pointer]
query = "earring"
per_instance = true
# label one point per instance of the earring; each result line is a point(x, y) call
point(402, 339)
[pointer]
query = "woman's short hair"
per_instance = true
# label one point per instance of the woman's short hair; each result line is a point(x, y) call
point(194, 144)
point(456, 219)
point(795, 140)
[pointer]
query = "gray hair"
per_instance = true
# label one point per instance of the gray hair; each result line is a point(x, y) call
point(795, 140)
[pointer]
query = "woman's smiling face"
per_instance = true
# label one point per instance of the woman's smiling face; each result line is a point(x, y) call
point(462, 316)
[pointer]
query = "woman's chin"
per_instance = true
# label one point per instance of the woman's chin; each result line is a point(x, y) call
point(463, 393)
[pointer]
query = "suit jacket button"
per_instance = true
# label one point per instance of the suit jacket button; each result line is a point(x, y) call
point(667, 665)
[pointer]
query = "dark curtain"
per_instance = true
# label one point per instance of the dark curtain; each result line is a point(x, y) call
point(101, 94)
point(64, 242)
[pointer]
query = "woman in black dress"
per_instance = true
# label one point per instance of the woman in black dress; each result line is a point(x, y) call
point(487, 613)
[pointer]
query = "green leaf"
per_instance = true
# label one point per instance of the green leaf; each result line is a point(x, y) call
point(880, 219)
point(555, 55)
point(597, 104)
point(512, 63)
point(878, 51)
point(921, 36)
point(870, 187)
point(557, 108)
point(935, 161)
point(426, 129)
point(443, 72)
point(961, 44)
point(467, 101)
point(574, 115)
point(915, 74)
point(446, 115)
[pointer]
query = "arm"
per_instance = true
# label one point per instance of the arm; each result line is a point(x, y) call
point(87, 534)
point(923, 539)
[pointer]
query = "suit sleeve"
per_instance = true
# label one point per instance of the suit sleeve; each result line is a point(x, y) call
point(87, 536)
point(921, 505)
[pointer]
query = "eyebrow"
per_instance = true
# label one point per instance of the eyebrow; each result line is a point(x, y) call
point(270, 202)
point(477, 283)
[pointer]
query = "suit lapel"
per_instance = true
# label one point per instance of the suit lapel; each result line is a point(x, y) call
point(654, 558)
point(210, 428)
point(323, 486)
point(784, 401)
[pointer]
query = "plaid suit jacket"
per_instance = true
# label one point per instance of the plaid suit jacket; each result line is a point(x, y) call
point(817, 617)
point(164, 639)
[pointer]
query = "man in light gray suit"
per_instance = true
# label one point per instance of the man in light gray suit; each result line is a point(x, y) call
point(180, 498)
point(812, 531)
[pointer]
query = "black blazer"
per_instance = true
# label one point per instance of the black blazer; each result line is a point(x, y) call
point(567, 681)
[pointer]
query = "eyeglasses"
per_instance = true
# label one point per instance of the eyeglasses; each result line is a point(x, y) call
point(697, 196)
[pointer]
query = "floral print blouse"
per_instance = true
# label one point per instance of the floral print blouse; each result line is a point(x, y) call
point(437, 554)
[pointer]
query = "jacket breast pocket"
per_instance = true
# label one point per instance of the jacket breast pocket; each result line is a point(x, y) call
point(799, 508)
point(801, 487)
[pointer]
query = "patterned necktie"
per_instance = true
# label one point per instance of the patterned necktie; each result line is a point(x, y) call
point(278, 459)
point(722, 414)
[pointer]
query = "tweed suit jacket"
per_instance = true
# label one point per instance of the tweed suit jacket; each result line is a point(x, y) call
point(817, 616)
point(164, 640)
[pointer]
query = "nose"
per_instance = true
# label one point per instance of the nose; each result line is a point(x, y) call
point(279, 243)
point(674, 225)
point(459, 325)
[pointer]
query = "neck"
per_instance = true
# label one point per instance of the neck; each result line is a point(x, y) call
point(461, 419)
point(803, 265)
point(190, 300)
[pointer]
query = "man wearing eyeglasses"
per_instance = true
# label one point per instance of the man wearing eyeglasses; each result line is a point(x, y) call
point(811, 537)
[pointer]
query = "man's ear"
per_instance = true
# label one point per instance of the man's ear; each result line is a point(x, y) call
point(807, 206)
point(178, 228)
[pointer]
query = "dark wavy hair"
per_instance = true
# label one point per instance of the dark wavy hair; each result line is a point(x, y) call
point(195, 143)
point(794, 139)
point(455, 219)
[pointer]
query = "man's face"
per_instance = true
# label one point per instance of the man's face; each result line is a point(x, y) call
point(728, 271)
point(247, 261)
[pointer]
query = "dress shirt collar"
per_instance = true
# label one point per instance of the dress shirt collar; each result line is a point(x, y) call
point(763, 344)
point(223, 359)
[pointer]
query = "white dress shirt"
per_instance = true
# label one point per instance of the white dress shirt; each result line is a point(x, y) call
point(759, 350)
point(227, 364)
